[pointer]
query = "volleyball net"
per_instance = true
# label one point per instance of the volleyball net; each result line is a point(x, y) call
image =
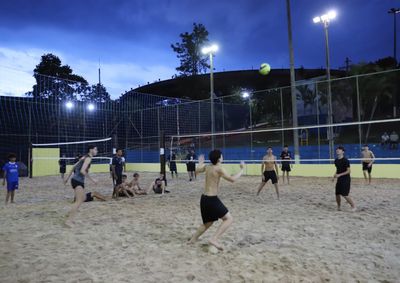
point(365, 107)
point(251, 145)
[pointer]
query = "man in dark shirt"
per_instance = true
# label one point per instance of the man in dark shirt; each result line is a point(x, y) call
point(63, 166)
point(191, 165)
point(342, 175)
point(117, 169)
point(286, 156)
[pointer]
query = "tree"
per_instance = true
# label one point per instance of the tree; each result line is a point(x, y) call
point(54, 80)
point(378, 92)
point(96, 93)
point(192, 62)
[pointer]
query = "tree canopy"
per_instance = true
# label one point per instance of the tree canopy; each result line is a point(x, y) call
point(192, 62)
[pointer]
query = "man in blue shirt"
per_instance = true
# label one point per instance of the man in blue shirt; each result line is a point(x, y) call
point(10, 170)
point(117, 169)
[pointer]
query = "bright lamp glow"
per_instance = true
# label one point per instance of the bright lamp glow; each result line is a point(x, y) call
point(316, 20)
point(69, 105)
point(210, 49)
point(326, 17)
point(245, 94)
point(332, 15)
point(90, 107)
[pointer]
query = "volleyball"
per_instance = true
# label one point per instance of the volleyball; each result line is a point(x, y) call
point(265, 68)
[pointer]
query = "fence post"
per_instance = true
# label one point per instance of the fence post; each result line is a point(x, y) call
point(358, 113)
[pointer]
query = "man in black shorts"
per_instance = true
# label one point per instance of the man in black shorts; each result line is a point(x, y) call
point(191, 165)
point(211, 206)
point(269, 171)
point(117, 169)
point(81, 172)
point(63, 166)
point(368, 159)
point(286, 156)
point(342, 175)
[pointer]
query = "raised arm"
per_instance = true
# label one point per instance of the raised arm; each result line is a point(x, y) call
point(201, 167)
point(232, 178)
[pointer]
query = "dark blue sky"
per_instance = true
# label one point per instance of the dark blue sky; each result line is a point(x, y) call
point(132, 38)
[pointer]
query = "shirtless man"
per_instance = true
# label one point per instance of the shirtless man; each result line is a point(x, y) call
point(269, 171)
point(211, 206)
point(123, 189)
point(368, 158)
point(134, 185)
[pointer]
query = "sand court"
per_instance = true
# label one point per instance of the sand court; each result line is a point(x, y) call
point(301, 238)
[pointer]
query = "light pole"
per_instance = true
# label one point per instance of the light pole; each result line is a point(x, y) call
point(394, 11)
point(292, 85)
point(246, 95)
point(325, 20)
point(210, 50)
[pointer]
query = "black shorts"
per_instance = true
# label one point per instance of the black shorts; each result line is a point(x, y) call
point(270, 175)
point(191, 166)
point(366, 168)
point(212, 208)
point(75, 183)
point(62, 169)
point(172, 167)
point(118, 180)
point(343, 186)
point(89, 197)
point(286, 166)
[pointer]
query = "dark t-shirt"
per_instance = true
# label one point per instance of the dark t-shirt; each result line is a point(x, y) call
point(286, 156)
point(341, 166)
point(119, 165)
point(62, 163)
point(190, 157)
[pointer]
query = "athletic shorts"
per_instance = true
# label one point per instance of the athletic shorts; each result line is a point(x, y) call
point(270, 175)
point(62, 169)
point(172, 167)
point(191, 166)
point(118, 181)
point(89, 197)
point(286, 166)
point(75, 183)
point(343, 186)
point(366, 168)
point(12, 186)
point(212, 208)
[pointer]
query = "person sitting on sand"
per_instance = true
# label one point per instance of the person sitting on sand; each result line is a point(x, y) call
point(158, 185)
point(211, 207)
point(123, 189)
point(134, 185)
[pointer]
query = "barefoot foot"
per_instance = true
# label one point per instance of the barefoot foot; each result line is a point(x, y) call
point(215, 244)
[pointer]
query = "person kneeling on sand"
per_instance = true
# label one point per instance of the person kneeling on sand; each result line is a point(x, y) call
point(123, 189)
point(158, 185)
point(134, 185)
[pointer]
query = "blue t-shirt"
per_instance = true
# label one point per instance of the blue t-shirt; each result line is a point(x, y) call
point(12, 171)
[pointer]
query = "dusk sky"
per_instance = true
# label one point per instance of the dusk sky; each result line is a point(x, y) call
point(132, 38)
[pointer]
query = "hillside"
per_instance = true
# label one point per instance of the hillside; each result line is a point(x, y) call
point(198, 87)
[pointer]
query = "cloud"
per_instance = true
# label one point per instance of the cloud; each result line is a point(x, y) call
point(16, 70)
point(119, 77)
